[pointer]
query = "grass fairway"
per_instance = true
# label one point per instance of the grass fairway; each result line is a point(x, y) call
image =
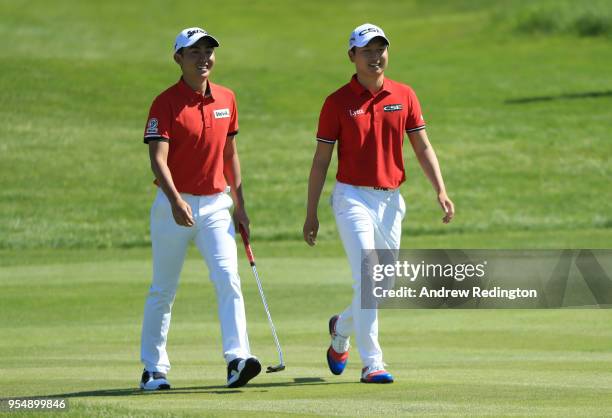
point(517, 97)
point(72, 330)
point(521, 122)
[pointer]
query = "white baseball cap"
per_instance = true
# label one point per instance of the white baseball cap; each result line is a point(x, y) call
point(190, 36)
point(364, 34)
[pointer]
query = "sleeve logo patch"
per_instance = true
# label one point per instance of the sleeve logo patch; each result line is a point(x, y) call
point(152, 126)
point(222, 113)
point(392, 108)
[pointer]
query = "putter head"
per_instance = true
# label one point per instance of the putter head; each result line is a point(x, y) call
point(274, 369)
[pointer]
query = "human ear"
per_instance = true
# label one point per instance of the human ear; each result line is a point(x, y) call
point(351, 55)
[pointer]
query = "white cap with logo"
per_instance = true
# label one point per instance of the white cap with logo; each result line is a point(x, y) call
point(190, 36)
point(364, 34)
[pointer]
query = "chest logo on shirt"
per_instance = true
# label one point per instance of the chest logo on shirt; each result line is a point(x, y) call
point(222, 113)
point(357, 112)
point(152, 126)
point(392, 107)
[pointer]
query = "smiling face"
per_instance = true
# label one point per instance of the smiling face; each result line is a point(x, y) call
point(196, 61)
point(370, 60)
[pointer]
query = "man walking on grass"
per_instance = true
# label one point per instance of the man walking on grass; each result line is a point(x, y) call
point(367, 118)
point(190, 133)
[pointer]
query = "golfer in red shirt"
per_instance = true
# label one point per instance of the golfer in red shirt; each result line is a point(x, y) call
point(367, 118)
point(190, 133)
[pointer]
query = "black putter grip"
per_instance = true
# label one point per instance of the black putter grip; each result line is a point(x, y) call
point(247, 245)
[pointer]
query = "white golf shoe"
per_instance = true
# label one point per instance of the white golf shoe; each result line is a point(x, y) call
point(154, 381)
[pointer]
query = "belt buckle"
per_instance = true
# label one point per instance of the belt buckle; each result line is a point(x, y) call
point(384, 189)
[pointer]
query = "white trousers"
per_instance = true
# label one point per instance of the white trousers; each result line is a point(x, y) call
point(367, 219)
point(213, 234)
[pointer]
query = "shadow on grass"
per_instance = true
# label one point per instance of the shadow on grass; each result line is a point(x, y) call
point(568, 96)
point(216, 390)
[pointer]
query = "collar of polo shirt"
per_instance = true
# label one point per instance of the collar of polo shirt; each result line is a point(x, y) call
point(192, 93)
point(359, 89)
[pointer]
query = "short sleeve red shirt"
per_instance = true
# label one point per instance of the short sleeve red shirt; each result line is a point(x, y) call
point(196, 127)
point(370, 130)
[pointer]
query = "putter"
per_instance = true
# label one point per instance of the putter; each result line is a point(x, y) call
point(251, 257)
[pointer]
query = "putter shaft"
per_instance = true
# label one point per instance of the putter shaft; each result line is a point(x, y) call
point(263, 299)
point(251, 257)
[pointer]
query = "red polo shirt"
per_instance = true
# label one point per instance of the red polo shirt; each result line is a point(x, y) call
point(196, 127)
point(370, 130)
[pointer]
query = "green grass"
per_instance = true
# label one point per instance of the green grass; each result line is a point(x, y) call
point(592, 18)
point(518, 112)
point(71, 329)
point(78, 78)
